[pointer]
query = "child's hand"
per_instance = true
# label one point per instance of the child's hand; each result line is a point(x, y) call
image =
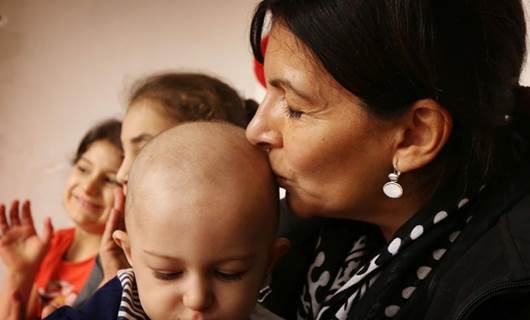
point(112, 257)
point(50, 308)
point(15, 308)
point(21, 249)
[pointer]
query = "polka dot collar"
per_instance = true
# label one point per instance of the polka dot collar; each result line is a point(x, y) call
point(333, 294)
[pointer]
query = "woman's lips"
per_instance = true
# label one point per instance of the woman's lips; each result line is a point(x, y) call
point(87, 204)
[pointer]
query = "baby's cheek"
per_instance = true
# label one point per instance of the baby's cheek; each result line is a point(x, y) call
point(242, 300)
point(147, 292)
point(160, 300)
point(237, 309)
point(158, 303)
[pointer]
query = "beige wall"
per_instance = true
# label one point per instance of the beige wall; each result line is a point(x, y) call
point(66, 64)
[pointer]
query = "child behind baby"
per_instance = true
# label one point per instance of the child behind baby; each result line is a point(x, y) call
point(201, 216)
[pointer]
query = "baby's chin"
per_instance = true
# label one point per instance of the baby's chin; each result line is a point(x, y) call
point(195, 316)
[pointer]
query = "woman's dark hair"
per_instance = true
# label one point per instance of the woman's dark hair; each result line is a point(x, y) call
point(192, 97)
point(465, 54)
point(108, 130)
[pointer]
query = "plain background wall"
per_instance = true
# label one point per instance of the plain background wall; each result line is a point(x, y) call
point(66, 64)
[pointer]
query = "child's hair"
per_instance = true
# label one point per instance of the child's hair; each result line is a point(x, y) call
point(194, 96)
point(108, 130)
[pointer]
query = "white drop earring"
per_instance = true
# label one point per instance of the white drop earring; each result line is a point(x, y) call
point(393, 189)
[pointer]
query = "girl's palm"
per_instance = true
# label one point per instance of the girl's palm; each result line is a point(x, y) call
point(21, 249)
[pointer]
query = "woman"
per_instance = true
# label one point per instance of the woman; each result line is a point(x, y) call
point(50, 270)
point(404, 122)
point(157, 103)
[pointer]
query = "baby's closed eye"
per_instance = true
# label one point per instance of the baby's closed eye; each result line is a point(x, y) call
point(167, 275)
point(229, 275)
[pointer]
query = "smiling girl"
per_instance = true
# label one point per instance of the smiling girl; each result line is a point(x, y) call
point(50, 269)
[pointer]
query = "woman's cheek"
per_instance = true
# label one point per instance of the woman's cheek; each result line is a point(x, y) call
point(312, 144)
point(307, 157)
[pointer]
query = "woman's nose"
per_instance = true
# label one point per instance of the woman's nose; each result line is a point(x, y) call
point(264, 130)
point(198, 295)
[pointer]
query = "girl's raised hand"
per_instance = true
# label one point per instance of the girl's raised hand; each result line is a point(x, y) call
point(21, 249)
point(111, 255)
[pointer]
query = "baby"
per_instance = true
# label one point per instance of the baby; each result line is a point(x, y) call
point(201, 216)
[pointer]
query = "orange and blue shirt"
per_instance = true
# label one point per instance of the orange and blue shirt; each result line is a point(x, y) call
point(58, 282)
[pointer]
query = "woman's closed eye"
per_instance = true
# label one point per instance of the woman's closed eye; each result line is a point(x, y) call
point(292, 112)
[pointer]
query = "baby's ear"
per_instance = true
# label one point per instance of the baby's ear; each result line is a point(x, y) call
point(121, 238)
point(278, 248)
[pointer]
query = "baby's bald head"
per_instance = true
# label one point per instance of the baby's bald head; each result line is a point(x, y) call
point(201, 216)
point(203, 172)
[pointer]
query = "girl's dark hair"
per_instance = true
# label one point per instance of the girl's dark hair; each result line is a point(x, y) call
point(251, 106)
point(192, 97)
point(108, 130)
point(465, 54)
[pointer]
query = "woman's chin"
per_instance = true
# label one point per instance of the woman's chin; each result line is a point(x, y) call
point(300, 206)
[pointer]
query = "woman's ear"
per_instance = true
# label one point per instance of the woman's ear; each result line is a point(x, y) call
point(425, 129)
point(121, 238)
point(278, 248)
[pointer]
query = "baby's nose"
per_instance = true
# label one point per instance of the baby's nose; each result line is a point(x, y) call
point(198, 295)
